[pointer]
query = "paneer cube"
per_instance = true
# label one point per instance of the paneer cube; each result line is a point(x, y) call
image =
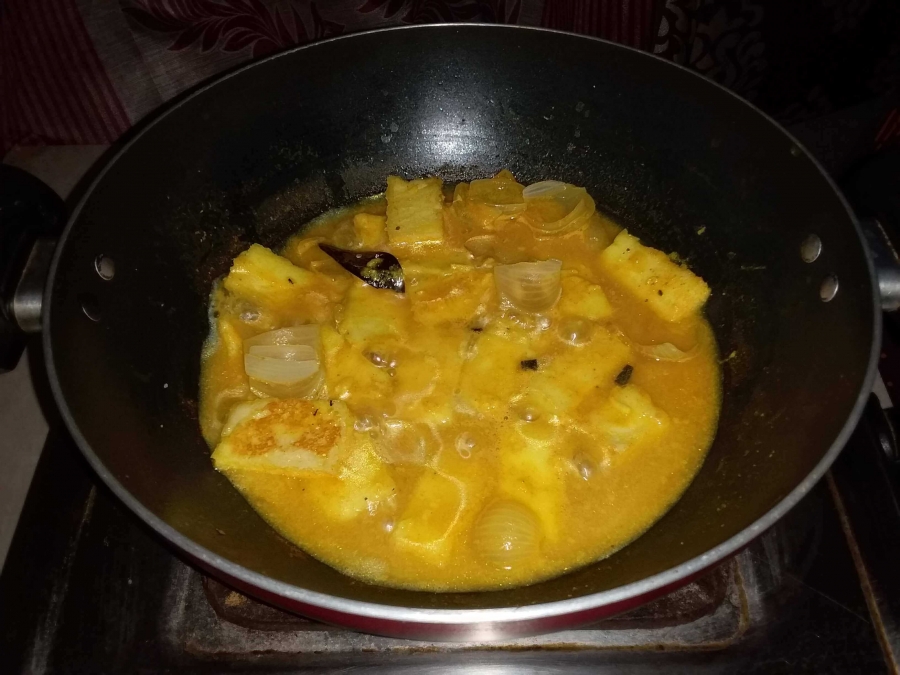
point(364, 485)
point(414, 211)
point(353, 378)
point(369, 230)
point(582, 298)
point(487, 204)
point(425, 380)
point(627, 418)
point(532, 472)
point(671, 291)
point(494, 374)
point(447, 293)
point(260, 273)
point(560, 384)
point(312, 440)
point(283, 436)
point(373, 314)
point(432, 511)
point(275, 286)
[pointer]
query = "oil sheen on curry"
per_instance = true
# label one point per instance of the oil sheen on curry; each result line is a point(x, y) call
point(460, 388)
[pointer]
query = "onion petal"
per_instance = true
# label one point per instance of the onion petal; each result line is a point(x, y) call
point(555, 208)
point(546, 188)
point(503, 194)
point(285, 352)
point(666, 351)
point(401, 442)
point(311, 387)
point(278, 371)
point(481, 245)
point(506, 533)
point(530, 286)
point(284, 363)
point(294, 335)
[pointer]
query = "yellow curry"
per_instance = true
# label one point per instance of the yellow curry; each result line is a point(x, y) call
point(525, 390)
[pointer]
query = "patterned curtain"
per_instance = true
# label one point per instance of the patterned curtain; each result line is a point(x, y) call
point(628, 22)
point(796, 59)
point(84, 71)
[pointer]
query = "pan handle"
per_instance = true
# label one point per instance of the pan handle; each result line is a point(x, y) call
point(871, 188)
point(31, 219)
point(887, 263)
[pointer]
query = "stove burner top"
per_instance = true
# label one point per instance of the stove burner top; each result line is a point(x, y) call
point(709, 613)
point(87, 588)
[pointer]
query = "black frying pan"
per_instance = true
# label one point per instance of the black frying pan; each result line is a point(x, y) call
point(665, 152)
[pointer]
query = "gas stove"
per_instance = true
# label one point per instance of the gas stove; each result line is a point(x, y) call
point(87, 588)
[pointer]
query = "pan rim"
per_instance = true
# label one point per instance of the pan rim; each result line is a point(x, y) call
point(423, 615)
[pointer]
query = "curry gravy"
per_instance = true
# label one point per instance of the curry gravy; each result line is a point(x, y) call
point(453, 437)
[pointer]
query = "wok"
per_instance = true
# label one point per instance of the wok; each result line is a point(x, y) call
point(681, 162)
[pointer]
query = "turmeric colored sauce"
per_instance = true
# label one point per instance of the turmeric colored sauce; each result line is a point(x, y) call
point(491, 426)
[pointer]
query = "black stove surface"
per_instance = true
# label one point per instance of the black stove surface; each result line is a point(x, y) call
point(87, 588)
